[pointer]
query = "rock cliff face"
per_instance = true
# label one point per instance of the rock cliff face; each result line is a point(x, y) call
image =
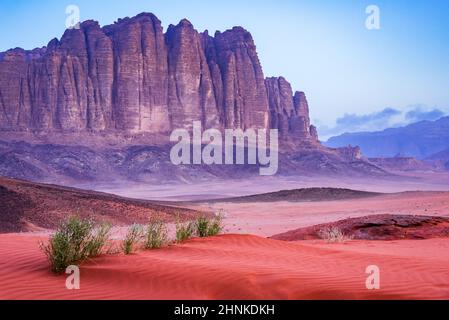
point(289, 113)
point(132, 77)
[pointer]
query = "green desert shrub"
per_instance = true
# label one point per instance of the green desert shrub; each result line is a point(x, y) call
point(74, 241)
point(184, 230)
point(202, 226)
point(215, 225)
point(156, 234)
point(133, 238)
point(99, 240)
point(209, 226)
point(333, 234)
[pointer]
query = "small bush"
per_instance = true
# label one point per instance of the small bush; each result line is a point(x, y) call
point(333, 234)
point(156, 235)
point(207, 227)
point(202, 227)
point(100, 237)
point(132, 239)
point(184, 230)
point(74, 241)
point(216, 225)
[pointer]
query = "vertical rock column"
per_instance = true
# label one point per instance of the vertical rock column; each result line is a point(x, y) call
point(191, 91)
point(300, 122)
point(140, 75)
point(244, 95)
point(281, 104)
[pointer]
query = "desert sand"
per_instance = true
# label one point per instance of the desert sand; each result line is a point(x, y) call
point(267, 219)
point(236, 267)
point(244, 264)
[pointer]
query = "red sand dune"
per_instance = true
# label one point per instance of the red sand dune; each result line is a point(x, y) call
point(236, 267)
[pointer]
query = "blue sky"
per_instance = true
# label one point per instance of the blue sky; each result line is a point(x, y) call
point(322, 47)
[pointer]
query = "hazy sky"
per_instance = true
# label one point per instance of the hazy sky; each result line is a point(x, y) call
point(322, 47)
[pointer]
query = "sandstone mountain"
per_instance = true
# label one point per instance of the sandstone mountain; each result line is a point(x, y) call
point(132, 77)
point(99, 104)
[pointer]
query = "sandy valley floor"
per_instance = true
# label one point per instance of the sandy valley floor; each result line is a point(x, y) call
point(240, 266)
point(237, 267)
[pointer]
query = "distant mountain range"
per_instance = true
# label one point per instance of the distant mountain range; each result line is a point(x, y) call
point(442, 155)
point(422, 140)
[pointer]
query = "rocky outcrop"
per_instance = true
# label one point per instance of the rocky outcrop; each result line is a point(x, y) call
point(132, 77)
point(377, 227)
point(280, 99)
point(314, 133)
point(350, 153)
point(289, 113)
